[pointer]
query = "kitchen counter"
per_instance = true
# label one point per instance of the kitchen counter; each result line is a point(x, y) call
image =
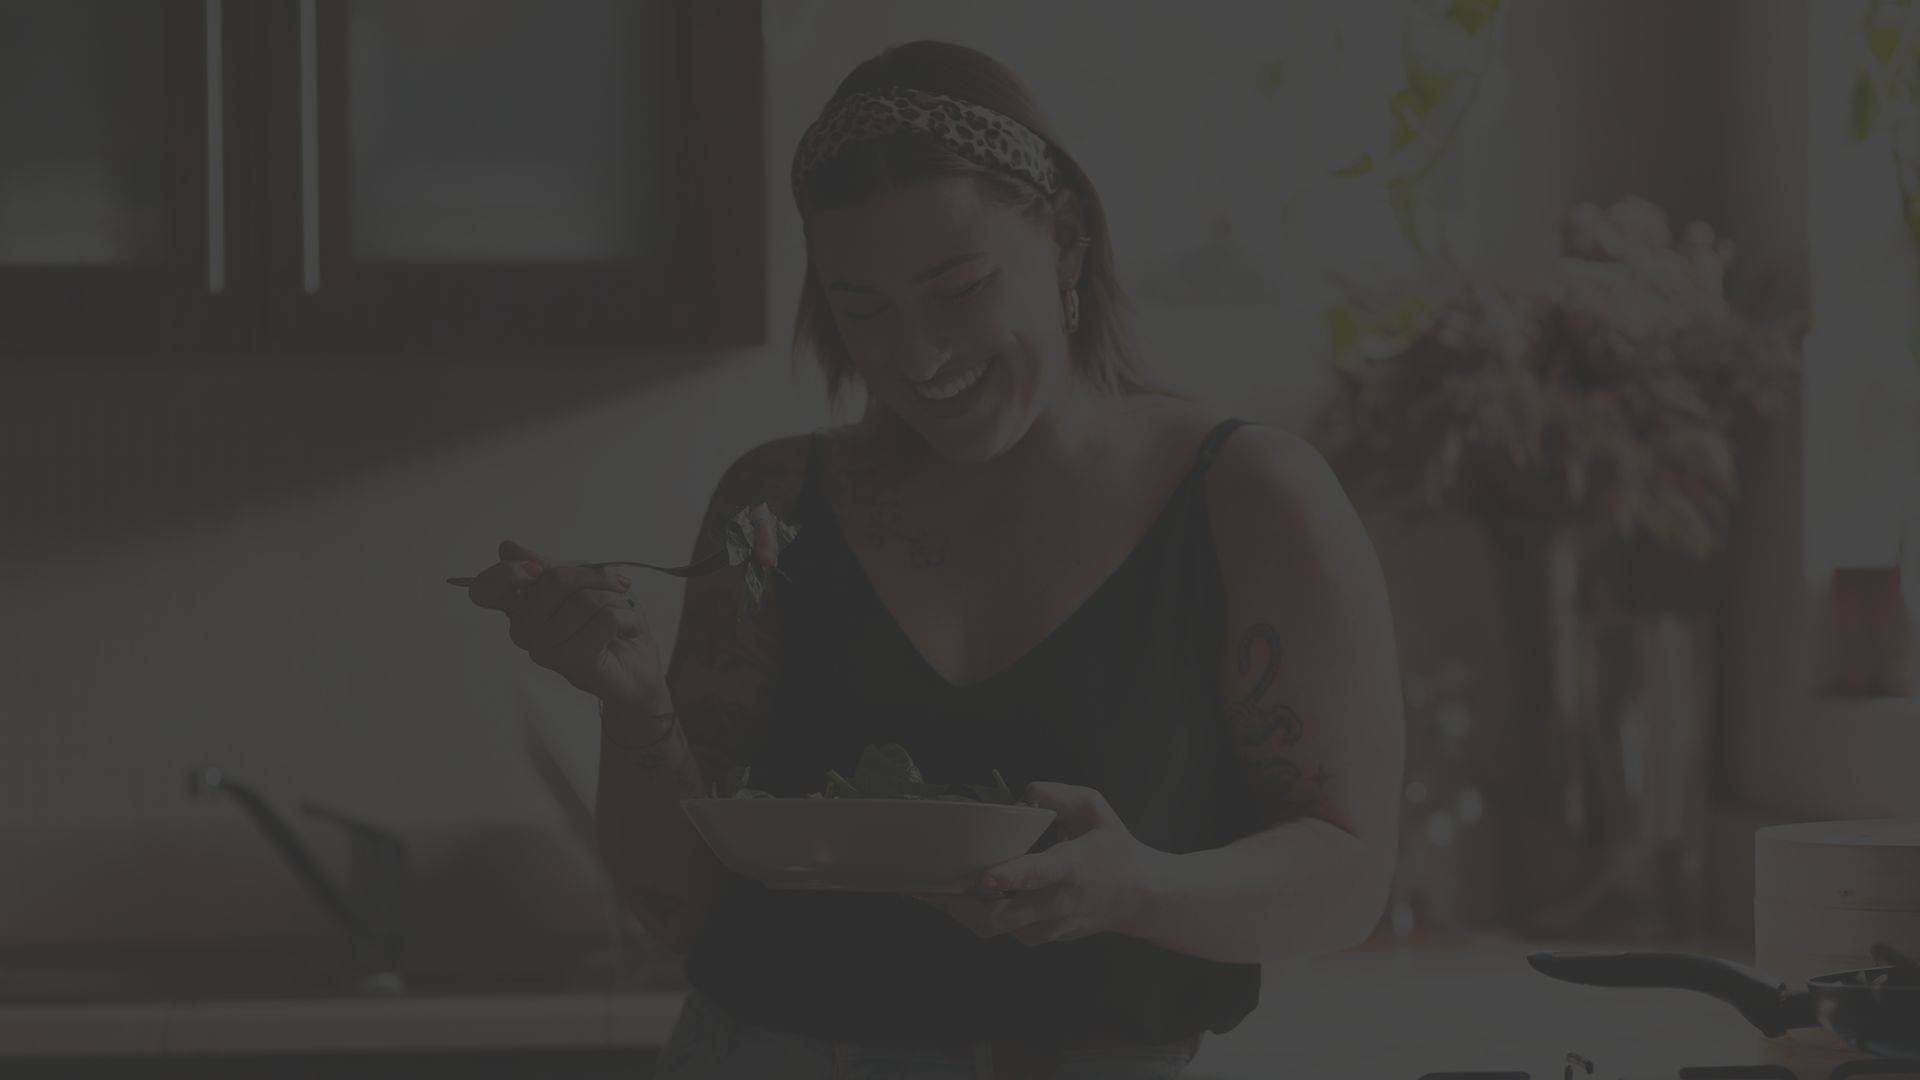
point(490, 1022)
point(1400, 1013)
point(1377, 1013)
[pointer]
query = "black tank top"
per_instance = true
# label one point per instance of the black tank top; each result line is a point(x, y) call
point(1123, 697)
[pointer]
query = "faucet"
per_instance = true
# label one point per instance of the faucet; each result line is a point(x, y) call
point(376, 873)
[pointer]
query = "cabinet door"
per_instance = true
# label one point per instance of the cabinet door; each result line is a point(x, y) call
point(117, 234)
point(488, 175)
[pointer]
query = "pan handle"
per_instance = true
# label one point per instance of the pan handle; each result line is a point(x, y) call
point(1763, 1000)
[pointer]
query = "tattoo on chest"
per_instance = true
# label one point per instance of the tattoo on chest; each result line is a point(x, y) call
point(1264, 734)
point(868, 485)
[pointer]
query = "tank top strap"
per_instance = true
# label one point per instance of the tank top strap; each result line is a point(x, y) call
point(1210, 446)
point(816, 458)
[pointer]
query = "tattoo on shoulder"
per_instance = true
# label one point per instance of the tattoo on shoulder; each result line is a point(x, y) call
point(1265, 732)
point(1255, 722)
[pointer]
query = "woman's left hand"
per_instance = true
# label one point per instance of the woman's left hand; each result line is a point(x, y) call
point(1093, 881)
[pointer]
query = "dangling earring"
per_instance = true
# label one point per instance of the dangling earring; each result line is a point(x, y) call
point(1073, 310)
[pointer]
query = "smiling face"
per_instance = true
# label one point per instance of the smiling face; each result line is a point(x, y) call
point(949, 306)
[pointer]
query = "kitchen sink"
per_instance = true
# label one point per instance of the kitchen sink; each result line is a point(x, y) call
point(76, 975)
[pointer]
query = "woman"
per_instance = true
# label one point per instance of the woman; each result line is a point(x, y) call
point(1168, 627)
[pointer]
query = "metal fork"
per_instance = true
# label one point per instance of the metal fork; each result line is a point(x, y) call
point(715, 561)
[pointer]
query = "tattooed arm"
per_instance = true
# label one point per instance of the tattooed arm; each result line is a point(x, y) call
point(717, 682)
point(1311, 682)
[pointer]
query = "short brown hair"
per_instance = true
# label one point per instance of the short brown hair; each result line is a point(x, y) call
point(1104, 352)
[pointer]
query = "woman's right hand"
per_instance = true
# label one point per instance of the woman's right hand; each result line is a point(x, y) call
point(575, 620)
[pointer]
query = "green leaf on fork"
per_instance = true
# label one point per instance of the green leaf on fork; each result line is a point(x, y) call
point(743, 551)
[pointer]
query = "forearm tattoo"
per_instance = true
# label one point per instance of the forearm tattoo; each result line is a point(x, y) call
point(1266, 733)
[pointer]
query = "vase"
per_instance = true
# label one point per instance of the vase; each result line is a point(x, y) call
point(1869, 647)
point(1630, 690)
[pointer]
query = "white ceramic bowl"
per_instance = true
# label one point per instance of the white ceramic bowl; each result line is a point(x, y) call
point(865, 845)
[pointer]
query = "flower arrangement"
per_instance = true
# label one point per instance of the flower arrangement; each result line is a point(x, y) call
point(1610, 395)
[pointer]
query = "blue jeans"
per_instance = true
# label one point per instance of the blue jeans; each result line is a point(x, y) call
point(709, 1044)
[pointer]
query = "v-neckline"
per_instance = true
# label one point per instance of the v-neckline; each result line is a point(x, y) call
point(1047, 640)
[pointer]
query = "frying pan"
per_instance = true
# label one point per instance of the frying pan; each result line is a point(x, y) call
point(1874, 1010)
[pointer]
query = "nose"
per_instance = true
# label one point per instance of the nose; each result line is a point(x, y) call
point(922, 355)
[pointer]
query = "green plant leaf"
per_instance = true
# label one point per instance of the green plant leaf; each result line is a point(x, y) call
point(1400, 196)
point(990, 794)
point(734, 785)
point(1406, 316)
point(1471, 15)
point(1408, 103)
point(1343, 330)
point(886, 772)
point(1426, 89)
point(739, 540)
point(1273, 75)
point(839, 787)
point(1866, 104)
point(1913, 216)
point(1358, 168)
point(739, 537)
point(1401, 133)
point(1883, 41)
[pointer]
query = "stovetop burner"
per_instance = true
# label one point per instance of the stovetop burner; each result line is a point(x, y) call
point(1579, 1068)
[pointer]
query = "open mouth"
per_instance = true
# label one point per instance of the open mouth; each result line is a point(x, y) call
point(949, 389)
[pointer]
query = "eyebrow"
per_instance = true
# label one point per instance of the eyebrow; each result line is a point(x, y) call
point(928, 275)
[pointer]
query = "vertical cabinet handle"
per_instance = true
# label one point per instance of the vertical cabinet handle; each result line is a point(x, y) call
point(216, 155)
point(309, 148)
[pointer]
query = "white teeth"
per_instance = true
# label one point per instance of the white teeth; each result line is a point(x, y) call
point(953, 386)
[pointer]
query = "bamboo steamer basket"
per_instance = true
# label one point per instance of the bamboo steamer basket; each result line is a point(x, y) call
point(1808, 1060)
point(1825, 893)
point(1869, 865)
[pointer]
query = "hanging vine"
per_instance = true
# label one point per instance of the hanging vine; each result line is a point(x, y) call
point(1885, 88)
point(1424, 118)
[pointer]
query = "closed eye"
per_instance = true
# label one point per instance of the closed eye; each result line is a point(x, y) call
point(971, 289)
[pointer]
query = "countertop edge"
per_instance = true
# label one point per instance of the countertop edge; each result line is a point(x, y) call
point(557, 1021)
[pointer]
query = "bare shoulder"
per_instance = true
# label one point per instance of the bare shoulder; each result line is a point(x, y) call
point(1257, 463)
point(1264, 464)
point(773, 472)
point(1275, 502)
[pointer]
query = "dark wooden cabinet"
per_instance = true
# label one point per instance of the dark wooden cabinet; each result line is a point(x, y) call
point(115, 233)
point(341, 177)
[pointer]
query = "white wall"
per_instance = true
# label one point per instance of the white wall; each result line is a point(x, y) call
point(279, 610)
point(301, 636)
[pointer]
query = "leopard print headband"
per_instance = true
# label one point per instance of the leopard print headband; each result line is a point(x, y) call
point(981, 135)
